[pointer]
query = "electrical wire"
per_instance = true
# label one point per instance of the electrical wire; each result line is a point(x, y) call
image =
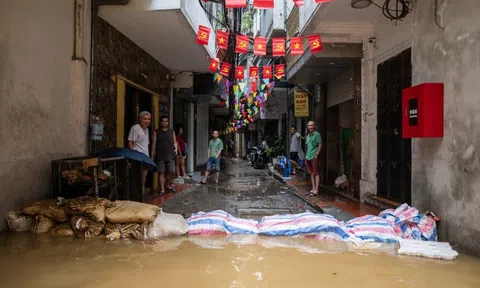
point(402, 9)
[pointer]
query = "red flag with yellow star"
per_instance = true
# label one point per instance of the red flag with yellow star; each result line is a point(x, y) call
point(280, 70)
point(315, 43)
point(222, 39)
point(296, 45)
point(267, 72)
point(203, 34)
point(263, 4)
point(260, 46)
point(225, 71)
point(239, 72)
point(235, 3)
point(214, 63)
point(241, 45)
point(278, 46)
point(253, 71)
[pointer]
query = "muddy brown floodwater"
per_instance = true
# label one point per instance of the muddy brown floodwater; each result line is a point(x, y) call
point(236, 261)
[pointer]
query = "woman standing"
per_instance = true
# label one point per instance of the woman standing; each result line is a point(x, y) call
point(180, 158)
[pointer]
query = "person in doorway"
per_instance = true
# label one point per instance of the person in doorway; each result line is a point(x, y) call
point(215, 147)
point(295, 146)
point(314, 146)
point(230, 149)
point(181, 154)
point(164, 149)
point(139, 139)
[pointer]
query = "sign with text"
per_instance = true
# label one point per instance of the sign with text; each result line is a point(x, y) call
point(301, 104)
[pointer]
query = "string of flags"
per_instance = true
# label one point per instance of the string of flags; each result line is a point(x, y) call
point(263, 4)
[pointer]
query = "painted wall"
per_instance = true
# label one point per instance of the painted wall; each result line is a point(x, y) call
point(390, 40)
point(445, 177)
point(44, 95)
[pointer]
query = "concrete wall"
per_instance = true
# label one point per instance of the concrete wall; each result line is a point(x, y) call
point(390, 40)
point(44, 96)
point(203, 133)
point(445, 177)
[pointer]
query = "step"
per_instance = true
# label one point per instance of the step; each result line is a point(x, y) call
point(382, 202)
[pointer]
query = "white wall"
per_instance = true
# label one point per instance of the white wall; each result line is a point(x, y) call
point(44, 112)
point(390, 40)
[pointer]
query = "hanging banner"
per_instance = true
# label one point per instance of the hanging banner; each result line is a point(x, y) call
point(214, 65)
point(239, 70)
point(202, 35)
point(267, 72)
point(278, 46)
point(279, 70)
point(315, 43)
point(235, 3)
point(300, 103)
point(225, 71)
point(263, 4)
point(222, 39)
point(241, 44)
point(260, 46)
point(253, 72)
point(296, 45)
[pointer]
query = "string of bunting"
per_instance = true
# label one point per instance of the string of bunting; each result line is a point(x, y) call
point(263, 4)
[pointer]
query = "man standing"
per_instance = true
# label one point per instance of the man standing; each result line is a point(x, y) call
point(138, 138)
point(215, 147)
point(295, 147)
point(314, 146)
point(164, 148)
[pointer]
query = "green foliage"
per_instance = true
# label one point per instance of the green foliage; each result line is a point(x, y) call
point(247, 22)
point(276, 146)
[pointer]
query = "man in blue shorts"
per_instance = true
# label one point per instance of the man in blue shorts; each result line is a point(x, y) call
point(215, 147)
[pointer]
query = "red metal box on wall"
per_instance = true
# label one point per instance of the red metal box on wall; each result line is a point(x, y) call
point(422, 111)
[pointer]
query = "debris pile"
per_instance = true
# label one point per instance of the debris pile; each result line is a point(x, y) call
point(88, 217)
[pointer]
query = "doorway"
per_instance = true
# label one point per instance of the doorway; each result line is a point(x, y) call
point(394, 155)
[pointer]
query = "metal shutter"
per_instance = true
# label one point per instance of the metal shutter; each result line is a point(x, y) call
point(340, 89)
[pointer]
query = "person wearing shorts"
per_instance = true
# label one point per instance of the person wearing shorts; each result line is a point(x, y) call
point(215, 147)
point(314, 146)
point(295, 146)
point(164, 148)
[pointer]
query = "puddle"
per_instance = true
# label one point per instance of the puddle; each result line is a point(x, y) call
point(234, 261)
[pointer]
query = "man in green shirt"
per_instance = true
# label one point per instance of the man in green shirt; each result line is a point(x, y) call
point(314, 146)
point(215, 147)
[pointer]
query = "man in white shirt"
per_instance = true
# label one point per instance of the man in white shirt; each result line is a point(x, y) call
point(139, 138)
point(295, 147)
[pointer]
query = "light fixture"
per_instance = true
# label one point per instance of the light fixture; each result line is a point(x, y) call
point(360, 4)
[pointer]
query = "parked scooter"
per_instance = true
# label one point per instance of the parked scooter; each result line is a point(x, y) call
point(258, 158)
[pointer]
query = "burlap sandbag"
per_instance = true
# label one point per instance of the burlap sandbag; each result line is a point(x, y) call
point(47, 208)
point(63, 229)
point(86, 228)
point(42, 224)
point(117, 231)
point(131, 212)
point(18, 222)
point(90, 207)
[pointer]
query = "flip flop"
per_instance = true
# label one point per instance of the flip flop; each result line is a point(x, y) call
point(162, 193)
point(203, 182)
point(171, 189)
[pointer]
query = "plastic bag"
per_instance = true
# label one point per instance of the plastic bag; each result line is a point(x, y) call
point(47, 208)
point(131, 212)
point(86, 228)
point(341, 182)
point(42, 224)
point(18, 222)
point(167, 225)
point(90, 207)
point(63, 229)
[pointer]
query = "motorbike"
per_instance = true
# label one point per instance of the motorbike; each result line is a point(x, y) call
point(258, 158)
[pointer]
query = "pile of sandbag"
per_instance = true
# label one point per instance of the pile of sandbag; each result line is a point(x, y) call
point(88, 217)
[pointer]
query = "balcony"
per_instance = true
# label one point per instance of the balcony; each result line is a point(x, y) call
point(166, 29)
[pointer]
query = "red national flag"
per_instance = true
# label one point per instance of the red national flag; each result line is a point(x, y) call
point(296, 45)
point(202, 35)
point(263, 3)
point(278, 46)
point(235, 3)
point(253, 71)
point(254, 86)
point(322, 1)
point(225, 71)
point(214, 63)
point(241, 44)
point(260, 46)
point(267, 72)
point(222, 39)
point(315, 43)
point(280, 70)
point(298, 2)
point(239, 72)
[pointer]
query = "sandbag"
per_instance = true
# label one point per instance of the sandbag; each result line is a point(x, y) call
point(42, 224)
point(47, 208)
point(117, 231)
point(18, 222)
point(90, 207)
point(167, 225)
point(86, 228)
point(63, 229)
point(131, 212)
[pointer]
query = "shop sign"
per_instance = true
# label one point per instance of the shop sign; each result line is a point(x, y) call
point(301, 104)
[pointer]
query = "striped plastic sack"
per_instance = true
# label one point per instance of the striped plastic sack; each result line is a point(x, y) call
point(211, 223)
point(302, 224)
point(372, 228)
